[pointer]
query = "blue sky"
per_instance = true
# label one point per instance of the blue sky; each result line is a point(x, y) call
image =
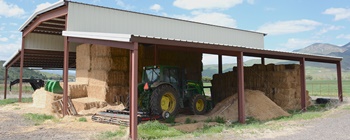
point(289, 24)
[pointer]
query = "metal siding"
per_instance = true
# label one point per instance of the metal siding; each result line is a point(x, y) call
point(46, 42)
point(87, 18)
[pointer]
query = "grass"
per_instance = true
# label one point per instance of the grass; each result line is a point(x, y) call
point(82, 119)
point(327, 87)
point(113, 134)
point(38, 118)
point(207, 130)
point(15, 100)
point(156, 130)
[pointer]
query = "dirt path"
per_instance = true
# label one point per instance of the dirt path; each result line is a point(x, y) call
point(13, 126)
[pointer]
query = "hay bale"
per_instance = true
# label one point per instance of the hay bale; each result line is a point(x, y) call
point(50, 98)
point(86, 103)
point(100, 50)
point(77, 90)
point(39, 98)
point(97, 91)
point(83, 57)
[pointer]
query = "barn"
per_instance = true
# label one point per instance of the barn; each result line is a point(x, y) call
point(109, 47)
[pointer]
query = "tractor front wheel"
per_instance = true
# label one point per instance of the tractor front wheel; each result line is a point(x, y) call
point(198, 105)
point(165, 98)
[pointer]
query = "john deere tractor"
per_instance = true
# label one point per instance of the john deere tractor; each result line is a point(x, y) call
point(165, 89)
point(162, 92)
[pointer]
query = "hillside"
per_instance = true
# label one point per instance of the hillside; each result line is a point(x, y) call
point(321, 48)
point(13, 74)
point(331, 50)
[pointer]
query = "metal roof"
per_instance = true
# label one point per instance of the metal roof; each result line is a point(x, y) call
point(41, 59)
point(204, 47)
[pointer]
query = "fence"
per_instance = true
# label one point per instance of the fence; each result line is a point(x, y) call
point(327, 88)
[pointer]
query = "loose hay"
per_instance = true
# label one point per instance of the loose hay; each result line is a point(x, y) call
point(257, 105)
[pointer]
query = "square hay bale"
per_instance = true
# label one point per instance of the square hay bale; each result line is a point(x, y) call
point(101, 63)
point(86, 103)
point(50, 98)
point(120, 63)
point(83, 57)
point(82, 73)
point(117, 52)
point(39, 98)
point(97, 91)
point(100, 50)
point(77, 90)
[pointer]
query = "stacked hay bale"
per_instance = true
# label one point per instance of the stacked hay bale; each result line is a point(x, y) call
point(191, 61)
point(105, 70)
point(109, 74)
point(281, 83)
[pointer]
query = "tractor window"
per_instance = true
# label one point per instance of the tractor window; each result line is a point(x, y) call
point(152, 75)
point(170, 75)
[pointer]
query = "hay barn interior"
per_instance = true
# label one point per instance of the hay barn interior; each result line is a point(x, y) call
point(108, 55)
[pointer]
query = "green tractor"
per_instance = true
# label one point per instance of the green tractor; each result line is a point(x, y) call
point(165, 89)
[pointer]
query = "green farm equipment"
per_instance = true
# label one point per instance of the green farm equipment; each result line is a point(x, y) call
point(163, 91)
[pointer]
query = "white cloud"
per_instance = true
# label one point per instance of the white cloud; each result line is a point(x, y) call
point(7, 50)
point(10, 10)
point(156, 7)
point(42, 6)
point(339, 13)
point(251, 1)
point(206, 4)
point(210, 18)
point(343, 36)
point(294, 43)
point(329, 28)
point(3, 39)
point(122, 4)
point(287, 27)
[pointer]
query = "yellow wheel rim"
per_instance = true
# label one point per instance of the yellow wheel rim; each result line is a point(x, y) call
point(200, 105)
point(168, 102)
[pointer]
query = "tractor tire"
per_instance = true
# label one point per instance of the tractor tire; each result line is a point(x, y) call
point(165, 98)
point(198, 105)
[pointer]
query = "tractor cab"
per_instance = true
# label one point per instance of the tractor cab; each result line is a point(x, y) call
point(166, 89)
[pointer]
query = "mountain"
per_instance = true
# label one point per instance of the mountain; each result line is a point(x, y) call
point(322, 48)
point(13, 74)
point(347, 46)
point(331, 50)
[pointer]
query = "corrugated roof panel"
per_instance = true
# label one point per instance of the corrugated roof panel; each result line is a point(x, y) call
point(88, 18)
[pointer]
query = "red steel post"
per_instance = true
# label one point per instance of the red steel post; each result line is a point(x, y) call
point(65, 76)
point(241, 98)
point(220, 63)
point(340, 85)
point(21, 71)
point(263, 60)
point(5, 82)
point(134, 77)
point(303, 84)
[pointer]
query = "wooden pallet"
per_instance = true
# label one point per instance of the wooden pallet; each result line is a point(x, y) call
point(58, 107)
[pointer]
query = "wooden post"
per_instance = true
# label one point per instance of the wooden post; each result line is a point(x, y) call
point(220, 63)
point(65, 76)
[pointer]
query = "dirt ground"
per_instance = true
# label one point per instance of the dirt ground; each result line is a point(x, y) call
point(13, 126)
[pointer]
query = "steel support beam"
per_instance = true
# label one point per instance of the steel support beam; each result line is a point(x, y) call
point(5, 82)
point(340, 85)
point(133, 93)
point(155, 55)
point(45, 17)
point(65, 76)
point(263, 60)
point(220, 63)
point(21, 71)
point(241, 98)
point(302, 84)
